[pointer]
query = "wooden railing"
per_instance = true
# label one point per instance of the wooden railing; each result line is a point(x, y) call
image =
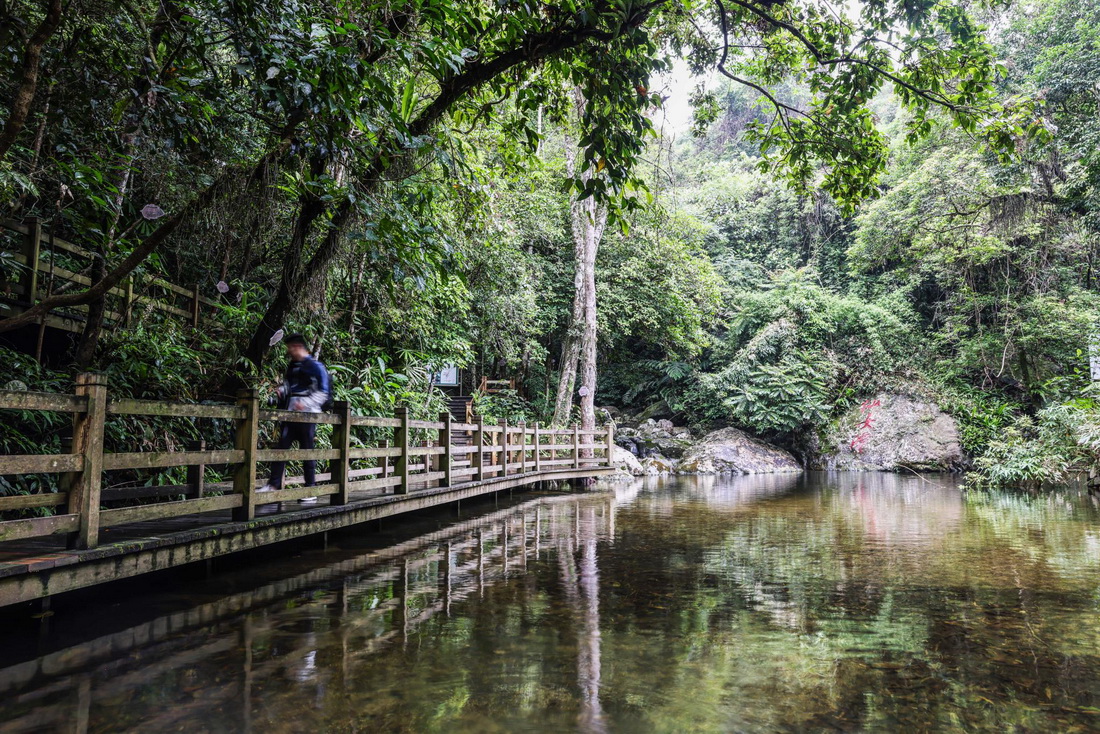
point(42, 258)
point(401, 455)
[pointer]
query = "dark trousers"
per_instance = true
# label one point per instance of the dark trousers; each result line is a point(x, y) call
point(303, 433)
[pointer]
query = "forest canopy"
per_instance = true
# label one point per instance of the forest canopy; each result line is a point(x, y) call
point(408, 184)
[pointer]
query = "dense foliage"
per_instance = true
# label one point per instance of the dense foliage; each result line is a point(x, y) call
point(875, 196)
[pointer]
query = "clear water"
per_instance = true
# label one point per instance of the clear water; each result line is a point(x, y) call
point(852, 602)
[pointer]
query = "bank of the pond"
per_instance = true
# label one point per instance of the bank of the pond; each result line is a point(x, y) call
point(809, 602)
point(886, 432)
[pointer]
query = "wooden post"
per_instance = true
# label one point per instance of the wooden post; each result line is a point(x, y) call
point(341, 441)
point(576, 446)
point(445, 442)
point(246, 440)
point(31, 252)
point(196, 473)
point(538, 454)
point(503, 447)
point(195, 307)
point(385, 463)
point(401, 441)
point(128, 302)
point(88, 441)
point(479, 455)
point(610, 443)
point(523, 447)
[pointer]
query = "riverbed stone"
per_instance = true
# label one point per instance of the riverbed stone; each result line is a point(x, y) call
point(903, 433)
point(626, 463)
point(732, 451)
point(658, 465)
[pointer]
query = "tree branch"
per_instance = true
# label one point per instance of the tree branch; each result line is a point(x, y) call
point(138, 255)
point(24, 93)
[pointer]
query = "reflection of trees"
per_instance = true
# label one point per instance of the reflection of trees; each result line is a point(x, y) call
point(581, 586)
point(728, 605)
point(307, 648)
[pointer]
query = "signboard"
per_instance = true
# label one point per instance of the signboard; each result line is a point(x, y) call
point(1094, 357)
point(446, 377)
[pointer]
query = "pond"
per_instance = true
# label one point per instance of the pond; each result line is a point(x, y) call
point(823, 602)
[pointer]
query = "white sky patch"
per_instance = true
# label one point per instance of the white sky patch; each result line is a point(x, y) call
point(676, 87)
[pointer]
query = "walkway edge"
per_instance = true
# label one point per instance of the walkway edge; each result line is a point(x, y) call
point(34, 578)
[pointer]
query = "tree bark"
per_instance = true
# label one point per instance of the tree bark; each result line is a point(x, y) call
point(28, 82)
point(588, 220)
point(310, 209)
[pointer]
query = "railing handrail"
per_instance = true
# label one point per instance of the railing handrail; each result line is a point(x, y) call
point(410, 457)
point(31, 255)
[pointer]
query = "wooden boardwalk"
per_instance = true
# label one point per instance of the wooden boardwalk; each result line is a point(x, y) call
point(97, 531)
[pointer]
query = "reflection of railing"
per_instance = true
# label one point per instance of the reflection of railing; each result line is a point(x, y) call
point(413, 455)
point(377, 599)
point(42, 258)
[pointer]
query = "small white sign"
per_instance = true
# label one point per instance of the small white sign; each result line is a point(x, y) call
point(583, 390)
point(152, 211)
point(1094, 358)
point(275, 338)
point(447, 376)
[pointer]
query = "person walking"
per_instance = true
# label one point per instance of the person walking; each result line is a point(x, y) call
point(306, 388)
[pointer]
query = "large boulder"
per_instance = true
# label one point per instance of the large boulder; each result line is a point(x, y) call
point(656, 438)
point(891, 432)
point(731, 451)
point(626, 463)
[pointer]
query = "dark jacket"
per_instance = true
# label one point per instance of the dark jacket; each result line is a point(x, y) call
point(306, 386)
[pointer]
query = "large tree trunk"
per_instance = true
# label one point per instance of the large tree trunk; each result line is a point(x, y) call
point(587, 219)
point(294, 277)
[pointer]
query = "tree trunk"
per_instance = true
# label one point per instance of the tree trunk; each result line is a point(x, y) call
point(23, 97)
point(294, 278)
point(579, 345)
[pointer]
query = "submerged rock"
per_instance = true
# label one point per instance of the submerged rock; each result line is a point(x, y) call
point(732, 451)
point(891, 432)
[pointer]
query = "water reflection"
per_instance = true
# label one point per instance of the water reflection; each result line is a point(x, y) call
point(785, 603)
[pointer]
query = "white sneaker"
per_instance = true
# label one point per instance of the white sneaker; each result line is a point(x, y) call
point(267, 488)
point(308, 500)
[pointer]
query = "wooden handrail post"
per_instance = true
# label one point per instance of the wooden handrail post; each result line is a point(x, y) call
point(576, 446)
point(503, 447)
point(128, 301)
point(385, 463)
point(88, 441)
point(401, 441)
point(538, 454)
point(445, 442)
point(610, 443)
point(32, 249)
point(195, 307)
point(479, 455)
point(523, 447)
point(196, 473)
point(247, 439)
point(341, 441)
